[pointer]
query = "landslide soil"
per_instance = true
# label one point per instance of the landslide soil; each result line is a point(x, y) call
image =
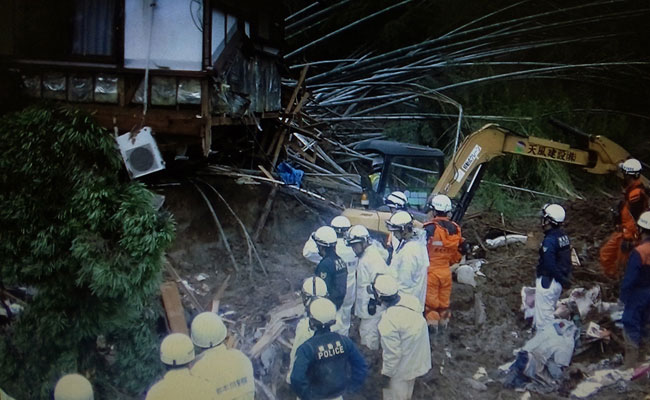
point(457, 355)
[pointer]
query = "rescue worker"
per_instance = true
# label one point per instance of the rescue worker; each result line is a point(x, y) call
point(340, 224)
point(177, 352)
point(229, 371)
point(409, 262)
point(328, 364)
point(615, 252)
point(554, 268)
point(406, 351)
point(635, 293)
point(377, 168)
point(312, 287)
point(396, 201)
point(73, 387)
point(444, 241)
point(370, 264)
point(331, 268)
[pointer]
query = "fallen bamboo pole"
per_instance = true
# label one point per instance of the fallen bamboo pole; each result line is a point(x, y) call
point(224, 239)
point(249, 241)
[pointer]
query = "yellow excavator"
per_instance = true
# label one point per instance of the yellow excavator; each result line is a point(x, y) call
point(420, 165)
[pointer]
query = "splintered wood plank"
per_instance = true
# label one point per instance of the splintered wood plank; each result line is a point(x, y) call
point(173, 308)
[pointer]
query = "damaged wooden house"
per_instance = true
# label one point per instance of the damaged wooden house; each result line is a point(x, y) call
point(195, 71)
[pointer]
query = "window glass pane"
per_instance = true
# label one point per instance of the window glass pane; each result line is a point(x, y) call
point(54, 86)
point(176, 37)
point(80, 88)
point(93, 27)
point(106, 88)
point(416, 177)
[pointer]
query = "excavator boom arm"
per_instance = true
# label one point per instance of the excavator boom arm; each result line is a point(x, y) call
point(602, 156)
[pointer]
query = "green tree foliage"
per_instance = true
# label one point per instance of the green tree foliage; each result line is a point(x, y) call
point(89, 244)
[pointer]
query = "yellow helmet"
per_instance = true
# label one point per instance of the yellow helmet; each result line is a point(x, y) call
point(176, 349)
point(208, 330)
point(73, 387)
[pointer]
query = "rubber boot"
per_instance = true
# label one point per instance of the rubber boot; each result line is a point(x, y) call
point(444, 319)
point(433, 327)
point(631, 352)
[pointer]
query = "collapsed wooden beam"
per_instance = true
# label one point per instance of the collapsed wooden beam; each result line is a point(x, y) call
point(171, 299)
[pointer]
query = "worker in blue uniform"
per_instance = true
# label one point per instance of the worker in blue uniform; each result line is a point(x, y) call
point(635, 293)
point(554, 268)
point(328, 364)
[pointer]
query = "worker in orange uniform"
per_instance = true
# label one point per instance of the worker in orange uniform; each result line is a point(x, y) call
point(616, 251)
point(443, 244)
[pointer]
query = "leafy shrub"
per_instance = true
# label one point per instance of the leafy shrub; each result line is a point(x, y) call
point(89, 245)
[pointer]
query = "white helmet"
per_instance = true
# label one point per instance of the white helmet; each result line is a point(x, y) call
point(631, 166)
point(440, 203)
point(396, 200)
point(314, 286)
point(340, 224)
point(322, 312)
point(644, 220)
point(357, 234)
point(73, 387)
point(208, 330)
point(399, 221)
point(385, 285)
point(176, 349)
point(553, 212)
point(325, 236)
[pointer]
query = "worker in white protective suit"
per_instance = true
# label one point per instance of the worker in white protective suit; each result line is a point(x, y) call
point(229, 371)
point(312, 287)
point(410, 261)
point(370, 264)
point(396, 201)
point(406, 354)
point(341, 225)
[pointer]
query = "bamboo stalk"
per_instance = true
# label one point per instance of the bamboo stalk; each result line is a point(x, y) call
point(224, 239)
point(249, 241)
point(315, 15)
point(346, 27)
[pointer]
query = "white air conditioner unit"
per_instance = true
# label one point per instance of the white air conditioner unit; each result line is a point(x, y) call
point(140, 153)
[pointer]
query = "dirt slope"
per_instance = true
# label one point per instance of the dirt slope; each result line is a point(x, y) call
point(456, 355)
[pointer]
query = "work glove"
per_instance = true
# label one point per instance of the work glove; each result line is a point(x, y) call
point(627, 246)
point(372, 306)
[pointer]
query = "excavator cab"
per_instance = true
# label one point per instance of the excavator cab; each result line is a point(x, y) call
point(409, 168)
